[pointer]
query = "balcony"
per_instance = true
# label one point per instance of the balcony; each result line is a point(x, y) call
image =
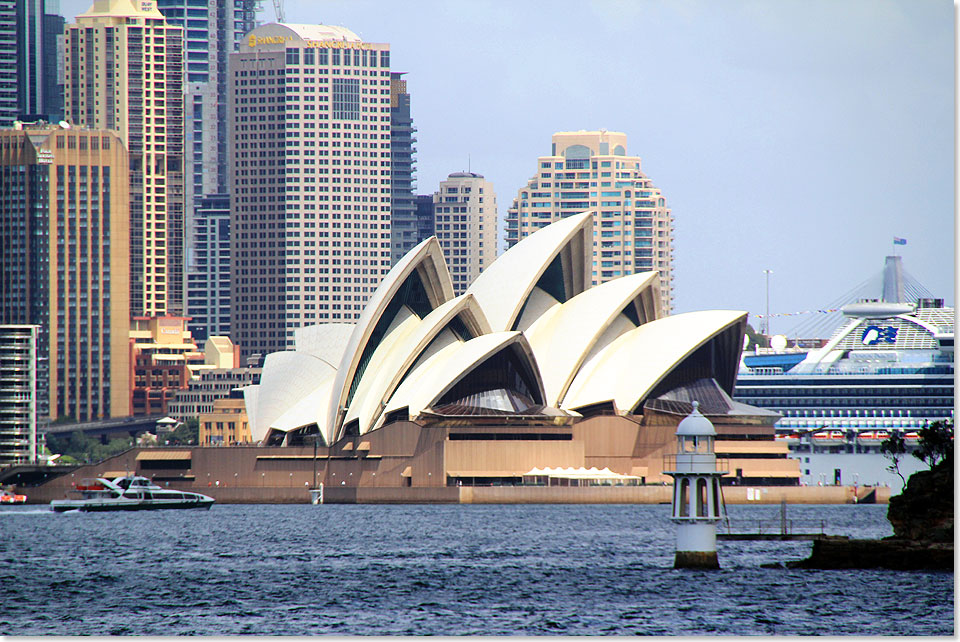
point(695, 463)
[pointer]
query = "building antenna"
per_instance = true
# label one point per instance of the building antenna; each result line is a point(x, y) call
point(468, 163)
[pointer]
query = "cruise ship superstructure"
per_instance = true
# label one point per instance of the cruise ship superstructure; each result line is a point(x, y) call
point(888, 367)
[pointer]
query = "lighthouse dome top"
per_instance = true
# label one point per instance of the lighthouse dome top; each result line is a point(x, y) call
point(695, 424)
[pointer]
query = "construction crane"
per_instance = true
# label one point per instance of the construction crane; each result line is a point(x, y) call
point(278, 10)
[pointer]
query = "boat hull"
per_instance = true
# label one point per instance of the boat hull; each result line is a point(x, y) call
point(91, 506)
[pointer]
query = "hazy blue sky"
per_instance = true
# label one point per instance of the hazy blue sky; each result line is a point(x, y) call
point(799, 136)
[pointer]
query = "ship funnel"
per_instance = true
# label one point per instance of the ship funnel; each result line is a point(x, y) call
point(893, 280)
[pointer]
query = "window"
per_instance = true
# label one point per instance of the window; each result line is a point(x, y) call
point(346, 98)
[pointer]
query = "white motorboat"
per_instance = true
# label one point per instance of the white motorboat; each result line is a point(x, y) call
point(128, 493)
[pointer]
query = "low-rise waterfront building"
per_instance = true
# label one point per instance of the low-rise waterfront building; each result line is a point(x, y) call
point(162, 352)
point(204, 390)
point(226, 424)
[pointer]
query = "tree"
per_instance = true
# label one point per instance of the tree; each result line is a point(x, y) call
point(81, 448)
point(936, 443)
point(894, 447)
point(756, 339)
point(186, 434)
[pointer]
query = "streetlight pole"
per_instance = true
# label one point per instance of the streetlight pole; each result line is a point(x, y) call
point(766, 318)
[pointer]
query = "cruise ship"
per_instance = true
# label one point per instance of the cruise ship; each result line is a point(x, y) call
point(888, 367)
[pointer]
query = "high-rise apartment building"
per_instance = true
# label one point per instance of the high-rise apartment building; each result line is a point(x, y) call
point(590, 170)
point(19, 393)
point(30, 85)
point(465, 218)
point(403, 207)
point(310, 184)
point(124, 71)
point(208, 267)
point(64, 221)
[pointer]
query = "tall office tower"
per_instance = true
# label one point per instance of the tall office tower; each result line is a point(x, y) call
point(465, 215)
point(19, 393)
point(403, 208)
point(124, 71)
point(309, 180)
point(425, 223)
point(39, 89)
point(590, 170)
point(8, 62)
point(65, 265)
point(30, 84)
point(213, 30)
point(208, 270)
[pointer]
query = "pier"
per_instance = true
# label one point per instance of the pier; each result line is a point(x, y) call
point(776, 529)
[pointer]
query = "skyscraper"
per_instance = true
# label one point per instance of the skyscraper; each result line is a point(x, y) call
point(124, 71)
point(310, 184)
point(425, 224)
point(212, 31)
point(590, 170)
point(65, 264)
point(30, 86)
point(8, 62)
point(403, 208)
point(465, 217)
point(208, 268)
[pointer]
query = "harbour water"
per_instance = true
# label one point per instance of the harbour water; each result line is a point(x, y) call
point(448, 569)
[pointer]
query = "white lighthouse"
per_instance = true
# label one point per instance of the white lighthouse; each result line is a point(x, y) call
point(697, 502)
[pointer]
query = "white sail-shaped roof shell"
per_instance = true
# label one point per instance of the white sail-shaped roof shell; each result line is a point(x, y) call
point(563, 337)
point(437, 374)
point(631, 366)
point(502, 289)
point(286, 379)
point(326, 341)
point(311, 409)
point(427, 259)
point(380, 382)
point(405, 324)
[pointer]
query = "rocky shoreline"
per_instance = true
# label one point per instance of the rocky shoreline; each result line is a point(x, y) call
point(890, 553)
point(922, 520)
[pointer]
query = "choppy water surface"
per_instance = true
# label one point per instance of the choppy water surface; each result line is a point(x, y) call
point(480, 570)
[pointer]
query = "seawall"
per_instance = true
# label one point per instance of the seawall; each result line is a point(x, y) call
point(293, 494)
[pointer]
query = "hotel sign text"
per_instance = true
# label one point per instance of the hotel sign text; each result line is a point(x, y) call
point(253, 41)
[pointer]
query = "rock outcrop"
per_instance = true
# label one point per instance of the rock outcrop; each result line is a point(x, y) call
point(922, 520)
point(891, 553)
point(924, 510)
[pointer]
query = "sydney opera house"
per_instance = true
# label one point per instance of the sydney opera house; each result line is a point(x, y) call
point(527, 387)
point(529, 369)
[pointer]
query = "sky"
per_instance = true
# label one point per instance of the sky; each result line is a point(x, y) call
point(798, 136)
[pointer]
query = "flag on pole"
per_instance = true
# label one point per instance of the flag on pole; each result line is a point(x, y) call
point(899, 241)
